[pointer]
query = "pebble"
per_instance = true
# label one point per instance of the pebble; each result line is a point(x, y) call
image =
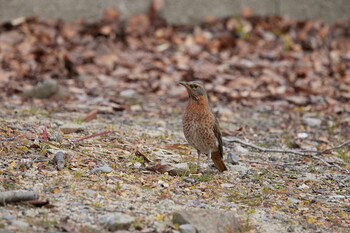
point(181, 169)
point(8, 217)
point(187, 228)
point(242, 150)
point(105, 169)
point(71, 128)
point(189, 180)
point(293, 200)
point(90, 192)
point(232, 158)
point(129, 93)
point(43, 90)
point(243, 170)
point(205, 220)
point(337, 197)
point(20, 224)
point(303, 186)
point(290, 229)
point(227, 185)
point(311, 121)
point(302, 135)
point(117, 221)
point(60, 160)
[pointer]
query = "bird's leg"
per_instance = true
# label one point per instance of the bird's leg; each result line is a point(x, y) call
point(199, 153)
point(209, 157)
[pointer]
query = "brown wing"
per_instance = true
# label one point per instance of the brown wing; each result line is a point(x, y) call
point(217, 156)
point(218, 136)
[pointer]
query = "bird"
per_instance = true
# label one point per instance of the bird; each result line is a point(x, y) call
point(200, 126)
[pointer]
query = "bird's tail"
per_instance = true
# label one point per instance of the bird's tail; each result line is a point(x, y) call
point(218, 161)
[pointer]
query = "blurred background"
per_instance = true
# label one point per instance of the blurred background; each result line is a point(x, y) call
point(181, 11)
point(99, 81)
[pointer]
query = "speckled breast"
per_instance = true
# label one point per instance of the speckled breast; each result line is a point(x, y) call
point(199, 131)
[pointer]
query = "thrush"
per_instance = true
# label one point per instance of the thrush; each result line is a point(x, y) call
point(201, 127)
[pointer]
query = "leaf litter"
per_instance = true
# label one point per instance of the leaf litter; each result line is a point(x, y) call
point(115, 81)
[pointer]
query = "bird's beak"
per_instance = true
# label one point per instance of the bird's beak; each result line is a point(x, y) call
point(183, 84)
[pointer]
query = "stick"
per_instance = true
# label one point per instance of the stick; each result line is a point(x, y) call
point(17, 196)
point(336, 147)
point(299, 152)
point(93, 136)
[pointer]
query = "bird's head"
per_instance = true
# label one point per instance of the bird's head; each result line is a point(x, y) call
point(195, 90)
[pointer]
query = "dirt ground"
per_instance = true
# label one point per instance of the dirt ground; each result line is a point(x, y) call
point(106, 94)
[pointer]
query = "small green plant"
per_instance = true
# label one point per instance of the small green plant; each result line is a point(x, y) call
point(193, 168)
point(203, 178)
point(245, 225)
point(8, 186)
point(78, 175)
point(45, 222)
point(345, 156)
point(78, 121)
point(97, 204)
point(241, 30)
point(287, 43)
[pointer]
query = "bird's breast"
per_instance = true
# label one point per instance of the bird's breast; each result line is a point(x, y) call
point(198, 127)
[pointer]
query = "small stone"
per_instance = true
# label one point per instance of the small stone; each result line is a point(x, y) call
point(182, 168)
point(337, 197)
point(205, 220)
point(117, 221)
point(136, 108)
point(179, 169)
point(232, 158)
point(71, 128)
point(243, 170)
point(312, 122)
point(8, 217)
point(59, 159)
point(170, 204)
point(137, 165)
point(298, 100)
point(302, 135)
point(189, 180)
point(227, 185)
point(129, 93)
point(280, 216)
point(187, 228)
point(290, 229)
point(293, 200)
point(20, 224)
point(303, 186)
point(90, 192)
point(163, 184)
point(310, 177)
point(105, 169)
point(43, 90)
point(242, 150)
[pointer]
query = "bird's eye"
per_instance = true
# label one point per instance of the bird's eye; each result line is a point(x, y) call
point(194, 86)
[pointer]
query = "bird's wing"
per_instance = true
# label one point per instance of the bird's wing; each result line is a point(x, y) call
point(218, 136)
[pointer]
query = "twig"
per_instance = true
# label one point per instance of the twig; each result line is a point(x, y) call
point(312, 153)
point(300, 152)
point(297, 152)
point(8, 139)
point(336, 147)
point(93, 136)
point(17, 196)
